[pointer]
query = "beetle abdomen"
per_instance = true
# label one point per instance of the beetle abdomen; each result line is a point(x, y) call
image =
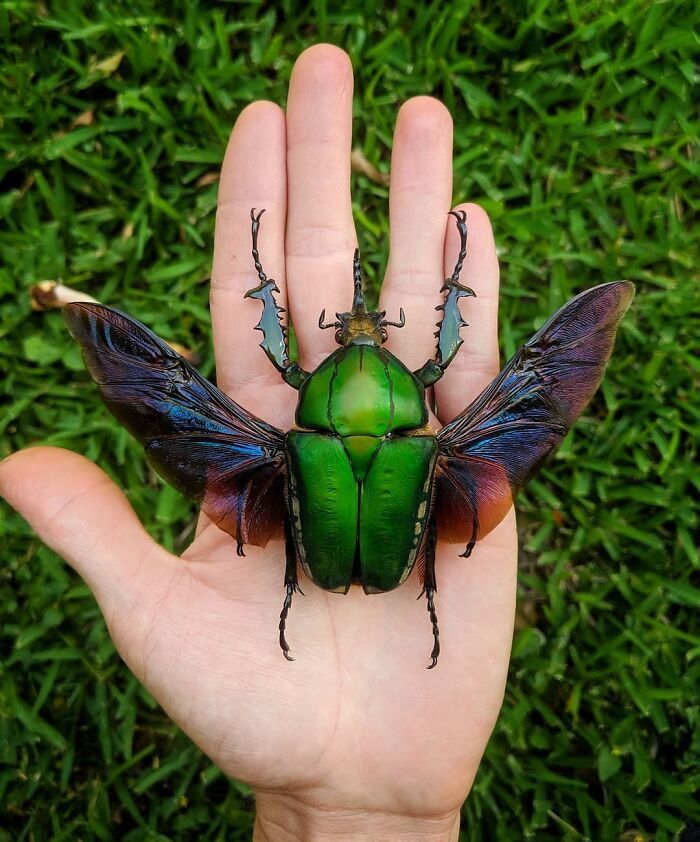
point(359, 506)
point(394, 508)
point(361, 390)
point(323, 503)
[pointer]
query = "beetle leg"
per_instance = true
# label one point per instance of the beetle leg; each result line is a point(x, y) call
point(291, 583)
point(274, 342)
point(448, 338)
point(475, 526)
point(430, 587)
point(472, 540)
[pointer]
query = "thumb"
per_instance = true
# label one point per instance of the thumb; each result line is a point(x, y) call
point(80, 513)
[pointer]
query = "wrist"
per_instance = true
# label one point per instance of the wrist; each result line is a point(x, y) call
point(285, 818)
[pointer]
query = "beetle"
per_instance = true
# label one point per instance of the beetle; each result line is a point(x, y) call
point(361, 487)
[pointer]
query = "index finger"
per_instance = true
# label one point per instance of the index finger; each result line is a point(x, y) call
point(253, 175)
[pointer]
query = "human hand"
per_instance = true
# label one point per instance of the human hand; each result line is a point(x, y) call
point(355, 738)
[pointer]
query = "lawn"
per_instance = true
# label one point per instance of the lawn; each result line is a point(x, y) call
point(575, 130)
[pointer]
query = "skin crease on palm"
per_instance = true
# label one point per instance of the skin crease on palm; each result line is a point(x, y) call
point(356, 738)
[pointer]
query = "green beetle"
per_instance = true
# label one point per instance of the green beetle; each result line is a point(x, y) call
point(360, 462)
point(361, 487)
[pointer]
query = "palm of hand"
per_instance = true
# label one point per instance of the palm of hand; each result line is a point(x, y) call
point(357, 709)
point(357, 722)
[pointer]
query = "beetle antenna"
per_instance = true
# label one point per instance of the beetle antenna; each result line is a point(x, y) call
point(329, 325)
point(401, 322)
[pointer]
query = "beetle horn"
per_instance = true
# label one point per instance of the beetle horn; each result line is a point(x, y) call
point(358, 301)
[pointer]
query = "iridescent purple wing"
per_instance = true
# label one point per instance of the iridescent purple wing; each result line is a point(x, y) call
point(490, 451)
point(198, 439)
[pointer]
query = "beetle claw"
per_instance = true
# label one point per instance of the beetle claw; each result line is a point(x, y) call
point(291, 587)
point(430, 593)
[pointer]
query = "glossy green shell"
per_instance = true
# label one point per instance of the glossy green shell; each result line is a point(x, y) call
point(360, 470)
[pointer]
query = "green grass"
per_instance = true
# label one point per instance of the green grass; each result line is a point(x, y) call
point(574, 129)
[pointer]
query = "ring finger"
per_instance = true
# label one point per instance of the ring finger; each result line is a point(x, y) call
point(420, 195)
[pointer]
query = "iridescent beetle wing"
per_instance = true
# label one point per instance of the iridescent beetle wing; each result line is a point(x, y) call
point(491, 450)
point(200, 441)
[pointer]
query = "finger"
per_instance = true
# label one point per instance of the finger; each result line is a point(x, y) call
point(81, 514)
point(321, 234)
point(476, 363)
point(253, 175)
point(419, 199)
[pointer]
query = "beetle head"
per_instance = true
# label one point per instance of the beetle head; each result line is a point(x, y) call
point(360, 326)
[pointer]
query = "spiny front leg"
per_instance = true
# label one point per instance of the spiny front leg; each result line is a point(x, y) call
point(449, 327)
point(274, 341)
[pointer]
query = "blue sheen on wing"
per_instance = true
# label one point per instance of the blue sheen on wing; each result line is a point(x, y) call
point(203, 443)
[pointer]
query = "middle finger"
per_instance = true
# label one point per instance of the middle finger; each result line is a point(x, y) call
point(321, 234)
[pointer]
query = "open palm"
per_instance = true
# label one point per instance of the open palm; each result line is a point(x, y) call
point(356, 726)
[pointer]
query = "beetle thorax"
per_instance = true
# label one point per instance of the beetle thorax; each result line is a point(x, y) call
point(361, 389)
